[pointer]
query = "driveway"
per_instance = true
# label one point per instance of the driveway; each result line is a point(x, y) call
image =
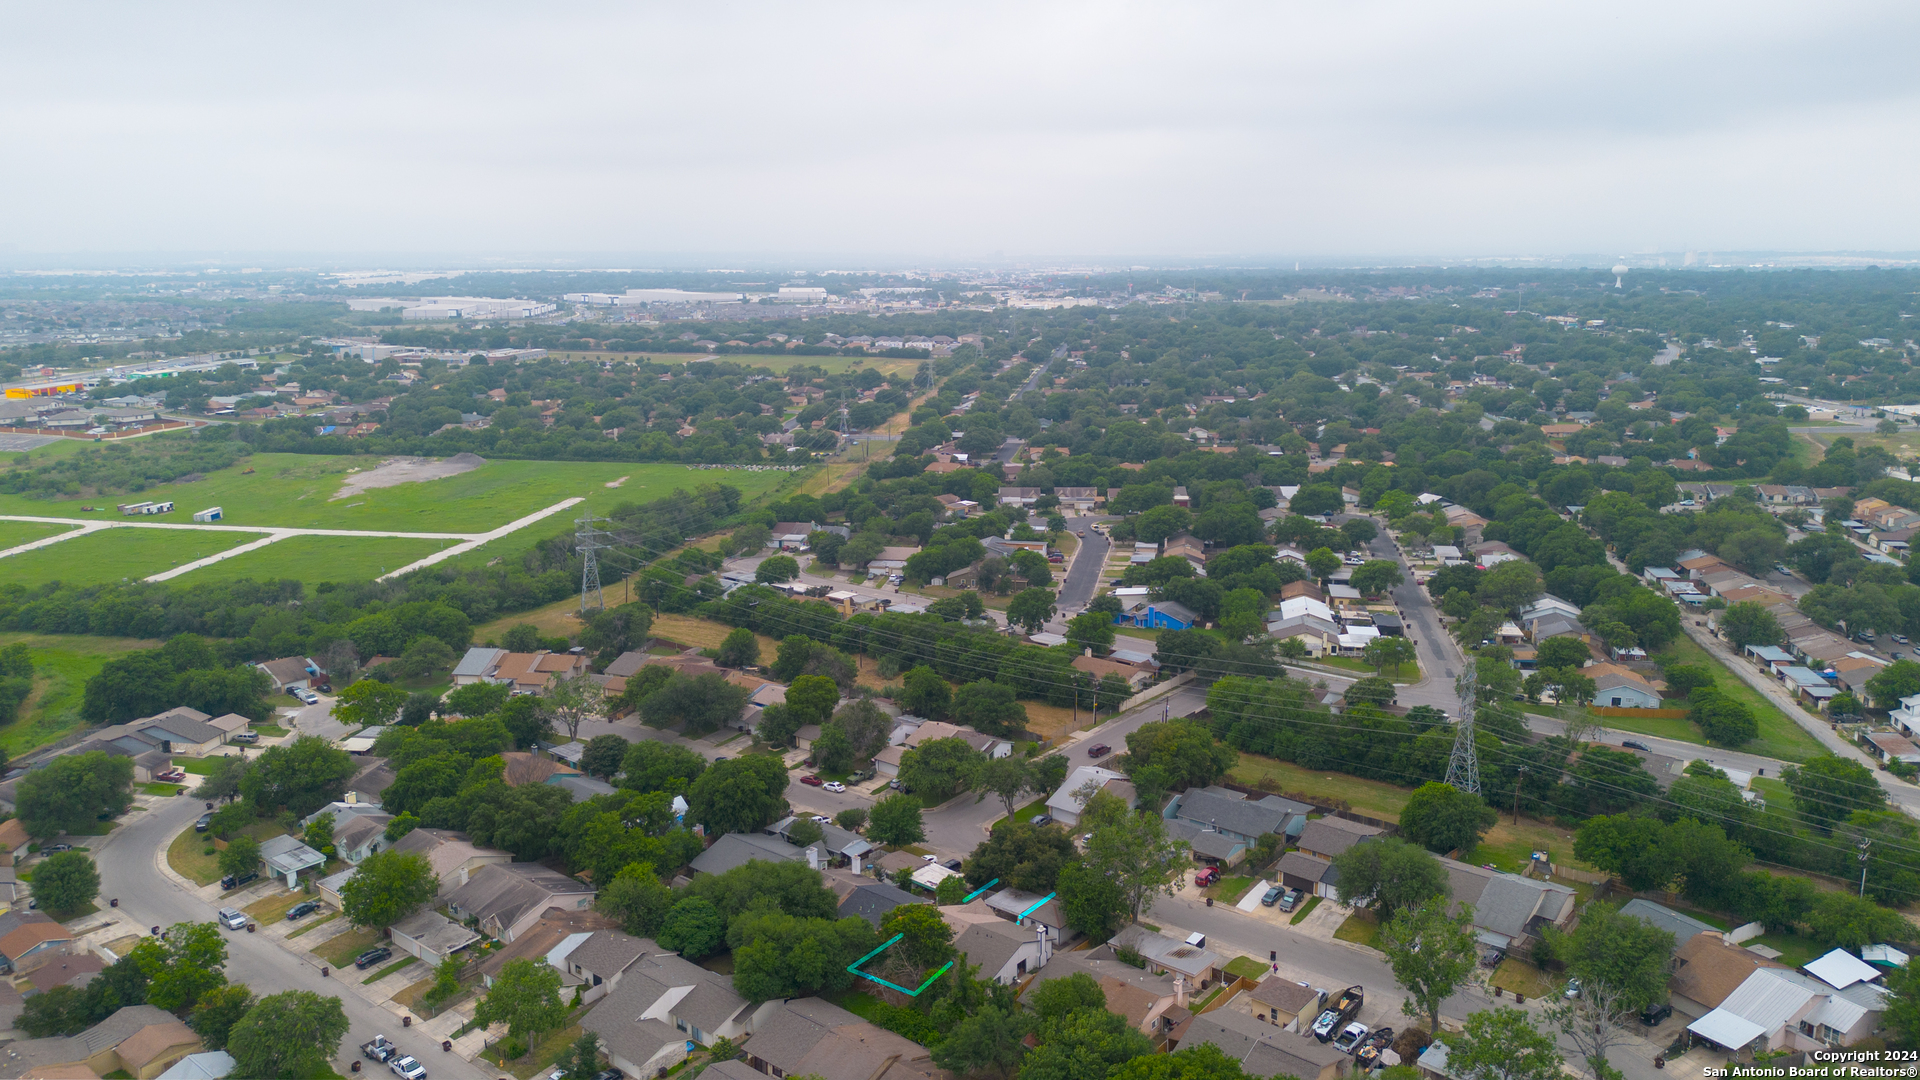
point(130, 860)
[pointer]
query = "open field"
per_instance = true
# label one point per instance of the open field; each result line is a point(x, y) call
point(114, 554)
point(1780, 735)
point(296, 490)
point(15, 533)
point(323, 558)
point(62, 665)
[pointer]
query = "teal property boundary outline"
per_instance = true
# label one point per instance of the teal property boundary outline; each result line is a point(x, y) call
point(854, 968)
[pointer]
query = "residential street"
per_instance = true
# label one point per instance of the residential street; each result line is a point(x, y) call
point(1440, 661)
point(131, 860)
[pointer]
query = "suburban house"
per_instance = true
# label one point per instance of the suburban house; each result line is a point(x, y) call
point(75, 970)
point(1261, 1049)
point(453, 857)
point(887, 762)
point(1098, 668)
point(1280, 1001)
point(359, 827)
point(526, 673)
point(139, 1040)
point(1327, 837)
point(866, 898)
point(1018, 496)
point(1778, 1009)
point(431, 936)
point(286, 857)
point(1159, 615)
point(1150, 1003)
point(1684, 928)
point(153, 740)
point(811, 1037)
point(292, 673)
point(13, 840)
point(1508, 910)
point(555, 937)
point(1004, 951)
point(660, 1003)
point(738, 849)
point(1232, 813)
point(480, 660)
point(1199, 966)
point(1707, 970)
point(1621, 687)
point(29, 939)
point(1066, 804)
point(839, 846)
point(508, 898)
point(1030, 911)
point(1081, 499)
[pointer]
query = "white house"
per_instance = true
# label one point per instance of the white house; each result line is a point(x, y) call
point(1066, 804)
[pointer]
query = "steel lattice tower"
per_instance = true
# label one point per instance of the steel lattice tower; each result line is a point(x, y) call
point(587, 540)
point(1463, 767)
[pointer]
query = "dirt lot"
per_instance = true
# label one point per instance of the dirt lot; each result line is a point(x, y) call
point(395, 471)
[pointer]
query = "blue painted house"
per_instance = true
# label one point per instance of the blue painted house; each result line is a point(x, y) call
point(1161, 615)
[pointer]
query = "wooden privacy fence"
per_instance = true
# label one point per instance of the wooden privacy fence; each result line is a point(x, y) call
point(1650, 714)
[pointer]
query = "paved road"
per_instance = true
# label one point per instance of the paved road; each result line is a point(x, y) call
point(1439, 657)
point(129, 861)
point(1084, 573)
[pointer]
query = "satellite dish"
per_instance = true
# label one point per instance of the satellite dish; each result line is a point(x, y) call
point(1619, 272)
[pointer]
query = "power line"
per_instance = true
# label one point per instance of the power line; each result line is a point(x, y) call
point(1463, 765)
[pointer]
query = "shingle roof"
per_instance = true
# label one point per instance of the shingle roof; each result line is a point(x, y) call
point(1261, 1049)
point(503, 892)
point(809, 1035)
point(873, 900)
point(1300, 864)
point(1682, 927)
point(1707, 969)
point(1331, 836)
point(992, 944)
point(738, 849)
point(1234, 814)
point(608, 952)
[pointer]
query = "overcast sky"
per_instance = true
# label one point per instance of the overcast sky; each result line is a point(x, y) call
point(839, 132)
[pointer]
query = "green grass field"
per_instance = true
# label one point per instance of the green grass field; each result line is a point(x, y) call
point(1780, 735)
point(115, 554)
point(15, 533)
point(295, 491)
point(62, 665)
point(322, 558)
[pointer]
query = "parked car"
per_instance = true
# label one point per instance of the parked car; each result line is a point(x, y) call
point(380, 1049)
point(246, 736)
point(834, 785)
point(1043, 819)
point(1102, 750)
point(1901, 639)
point(1273, 896)
point(51, 848)
point(234, 881)
point(812, 781)
point(1207, 875)
point(1291, 900)
point(372, 956)
point(302, 909)
point(822, 819)
point(200, 823)
point(1653, 1014)
point(171, 776)
point(1635, 744)
point(1573, 988)
point(952, 864)
point(233, 920)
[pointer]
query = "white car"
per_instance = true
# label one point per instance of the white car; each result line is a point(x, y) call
point(821, 819)
point(406, 1068)
point(835, 785)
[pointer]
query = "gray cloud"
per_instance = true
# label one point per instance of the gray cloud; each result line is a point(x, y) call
point(953, 132)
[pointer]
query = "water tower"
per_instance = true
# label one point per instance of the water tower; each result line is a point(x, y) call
point(1619, 273)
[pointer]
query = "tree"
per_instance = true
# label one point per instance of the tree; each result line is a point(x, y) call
point(1091, 630)
point(527, 721)
point(990, 708)
point(776, 568)
point(476, 699)
point(581, 1060)
point(1724, 721)
point(1682, 679)
point(603, 756)
point(1008, 777)
point(1021, 855)
point(1748, 623)
point(1093, 904)
point(287, 1035)
point(1055, 998)
point(299, 777)
point(1635, 848)
point(73, 792)
point(1388, 651)
point(241, 856)
point(183, 966)
point(812, 698)
point(833, 750)
point(1161, 522)
point(939, 769)
point(781, 955)
point(1629, 956)
point(851, 819)
point(1441, 818)
point(1376, 576)
point(637, 898)
point(1372, 690)
point(1563, 652)
point(988, 1041)
point(66, 882)
point(217, 1011)
point(1902, 1016)
point(739, 649)
point(925, 693)
point(525, 997)
point(895, 821)
point(1085, 1044)
point(700, 704)
point(1512, 584)
point(387, 886)
point(867, 726)
point(1389, 874)
point(745, 794)
point(1323, 562)
point(1432, 954)
point(1895, 681)
point(1030, 609)
point(1828, 788)
point(658, 766)
point(368, 703)
point(926, 939)
point(1184, 751)
point(1502, 1044)
point(572, 700)
point(1135, 853)
point(693, 928)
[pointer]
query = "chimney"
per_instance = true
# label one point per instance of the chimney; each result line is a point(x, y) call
point(352, 797)
point(813, 856)
point(1045, 952)
point(1180, 991)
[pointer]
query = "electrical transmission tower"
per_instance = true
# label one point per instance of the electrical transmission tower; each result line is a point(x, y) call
point(1463, 768)
point(588, 540)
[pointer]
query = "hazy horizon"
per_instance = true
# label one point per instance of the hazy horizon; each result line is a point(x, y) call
point(1389, 133)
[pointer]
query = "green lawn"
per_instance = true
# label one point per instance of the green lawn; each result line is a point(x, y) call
point(1246, 967)
point(1407, 672)
point(1370, 797)
point(1031, 810)
point(1360, 928)
point(323, 558)
point(187, 857)
point(1305, 909)
point(1780, 736)
point(341, 949)
point(295, 490)
point(15, 533)
point(62, 665)
point(114, 555)
point(404, 961)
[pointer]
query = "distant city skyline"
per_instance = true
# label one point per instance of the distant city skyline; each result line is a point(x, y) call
point(887, 136)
